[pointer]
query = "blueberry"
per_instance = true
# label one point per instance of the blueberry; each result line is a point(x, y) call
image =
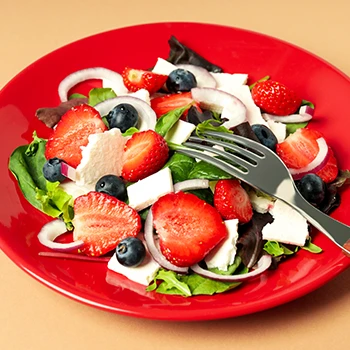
point(123, 116)
point(265, 136)
point(180, 80)
point(112, 185)
point(52, 170)
point(130, 252)
point(312, 188)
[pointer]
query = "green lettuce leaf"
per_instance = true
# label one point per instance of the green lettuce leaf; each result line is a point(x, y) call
point(193, 284)
point(26, 164)
point(171, 284)
point(76, 95)
point(277, 249)
point(293, 127)
point(203, 170)
point(180, 166)
point(211, 125)
point(311, 247)
point(167, 121)
point(98, 95)
point(131, 131)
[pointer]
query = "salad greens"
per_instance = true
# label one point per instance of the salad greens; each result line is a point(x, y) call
point(26, 164)
point(98, 95)
point(167, 121)
point(169, 282)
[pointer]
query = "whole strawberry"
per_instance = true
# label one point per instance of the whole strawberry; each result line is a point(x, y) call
point(145, 153)
point(275, 98)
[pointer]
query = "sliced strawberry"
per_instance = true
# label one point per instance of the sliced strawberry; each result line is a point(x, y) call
point(275, 98)
point(72, 132)
point(136, 79)
point(301, 148)
point(232, 201)
point(330, 171)
point(102, 221)
point(145, 153)
point(188, 227)
point(164, 104)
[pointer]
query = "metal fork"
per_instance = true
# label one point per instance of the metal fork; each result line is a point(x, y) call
point(261, 168)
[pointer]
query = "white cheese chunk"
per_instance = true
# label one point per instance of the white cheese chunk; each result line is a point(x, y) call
point(117, 86)
point(279, 130)
point(163, 67)
point(142, 274)
point(75, 190)
point(180, 132)
point(145, 192)
point(142, 94)
point(102, 155)
point(260, 204)
point(288, 226)
point(227, 80)
point(243, 93)
point(223, 255)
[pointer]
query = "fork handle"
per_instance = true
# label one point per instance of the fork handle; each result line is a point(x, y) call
point(324, 223)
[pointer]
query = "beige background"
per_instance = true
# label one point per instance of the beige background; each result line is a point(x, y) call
point(34, 317)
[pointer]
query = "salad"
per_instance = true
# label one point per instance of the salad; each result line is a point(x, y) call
point(112, 175)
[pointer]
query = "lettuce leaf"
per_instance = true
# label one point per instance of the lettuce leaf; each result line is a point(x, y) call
point(98, 95)
point(167, 121)
point(293, 127)
point(26, 164)
point(277, 249)
point(311, 247)
point(193, 284)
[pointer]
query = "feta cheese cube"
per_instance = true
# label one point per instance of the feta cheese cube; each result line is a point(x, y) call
point(142, 274)
point(101, 156)
point(288, 226)
point(180, 132)
point(279, 129)
point(229, 80)
point(243, 93)
point(117, 86)
point(142, 94)
point(260, 204)
point(223, 255)
point(163, 67)
point(75, 190)
point(145, 192)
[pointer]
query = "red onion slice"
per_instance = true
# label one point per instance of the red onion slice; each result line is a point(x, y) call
point(50, 231)
point(194, 184)
point(317, 164)
point(90, 73)
point(230, 107)
point(68, 171)
point(203, 77)
point(154, 250)
point(306, 110)
point(292, 118)
point(147, 116)
point(262, 265)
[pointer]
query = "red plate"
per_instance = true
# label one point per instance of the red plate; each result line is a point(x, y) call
point(236, 51)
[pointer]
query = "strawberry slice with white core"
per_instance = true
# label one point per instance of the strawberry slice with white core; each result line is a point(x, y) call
point(188, 228)
point(72, 132)
point(102, 221)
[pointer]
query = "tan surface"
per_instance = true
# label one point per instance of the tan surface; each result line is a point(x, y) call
point(34, 317)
